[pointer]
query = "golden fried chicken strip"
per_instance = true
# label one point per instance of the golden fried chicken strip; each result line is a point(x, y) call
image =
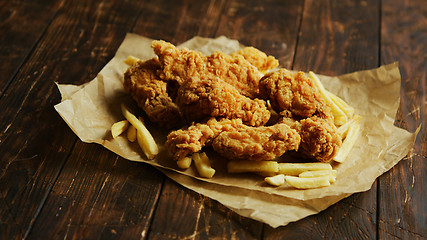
point(319, 137)
point(184, 64)
point(258, 58)
point(186, 141)
point(294, 92)
point(199, 99)
point(151, 93)
point(256, 143)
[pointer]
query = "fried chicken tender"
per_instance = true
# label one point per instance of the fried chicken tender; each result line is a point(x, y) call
point(258, 58)
point(199, 99)
point(257, 143)
point(294, 92)
point(319, 137)
point(233, 139)
point(186, 141)
point(184, 64)
point(151, 93)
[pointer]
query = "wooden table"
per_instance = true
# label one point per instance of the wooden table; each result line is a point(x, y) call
point(53, 186)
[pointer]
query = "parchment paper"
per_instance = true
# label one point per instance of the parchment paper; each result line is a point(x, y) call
point(92, 108)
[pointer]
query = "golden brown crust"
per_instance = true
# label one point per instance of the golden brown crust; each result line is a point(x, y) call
point(294, 92)
point(258, 58)
point(151, 93)
point(257, 143)
point(184, 64)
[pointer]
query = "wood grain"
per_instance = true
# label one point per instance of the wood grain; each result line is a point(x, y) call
point(271, 26)
point(402, 212)
point(99, 195)
point(331, 37)
point(35, 142)
point(22, 23)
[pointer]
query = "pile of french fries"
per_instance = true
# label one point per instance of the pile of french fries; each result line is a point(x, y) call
point(136, 130)
point(297, 175)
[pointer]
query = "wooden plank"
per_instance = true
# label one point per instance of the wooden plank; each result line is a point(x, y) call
point(34, 140)
point(337, 37)
point(99, 195)
point(22, 23)
point(271, 26)
point(198, 216)
point(402, 213)
point(184, 214)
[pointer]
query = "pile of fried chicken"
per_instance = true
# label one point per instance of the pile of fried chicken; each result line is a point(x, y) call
point(227, 102)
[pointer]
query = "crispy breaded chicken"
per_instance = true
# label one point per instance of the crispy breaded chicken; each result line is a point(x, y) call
point(319, 137)
point(294, 92)
point(186, 141)
point(258, 58)
point(256, 143)
point(199, 99)
point(233, 139)
point(184, 64)
point(151, 93)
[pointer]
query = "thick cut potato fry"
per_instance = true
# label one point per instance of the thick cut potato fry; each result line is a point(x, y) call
point(320, 173)
point(343, 130)
point(131, 133)
point(339, 116)
point(184, 163)
point(203, 165)
point(307, 183)
point(131, 60)
point(347, 109)
point(240, 166)
point(143, 136)
point(276, 181)
point(348, 143)
point(119, 127)
point(296, 168)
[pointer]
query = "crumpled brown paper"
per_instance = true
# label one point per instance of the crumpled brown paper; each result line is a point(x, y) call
point(92, 108)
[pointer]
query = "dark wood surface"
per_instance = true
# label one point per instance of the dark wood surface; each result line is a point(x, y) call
point(53, 186)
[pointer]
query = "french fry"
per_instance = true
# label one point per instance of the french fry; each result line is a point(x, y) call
point(320, 173)
point(296, 168)
point(131, 133)
point(131, 60)
point(307, 183)
point(339, 116)
point(203, 165)
point(343, 130)
point(143, 136)
point(348, 143)
point(119, 127)
point(240, 166)
point(347, 109)
point(276, 180)
point(184, 163)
